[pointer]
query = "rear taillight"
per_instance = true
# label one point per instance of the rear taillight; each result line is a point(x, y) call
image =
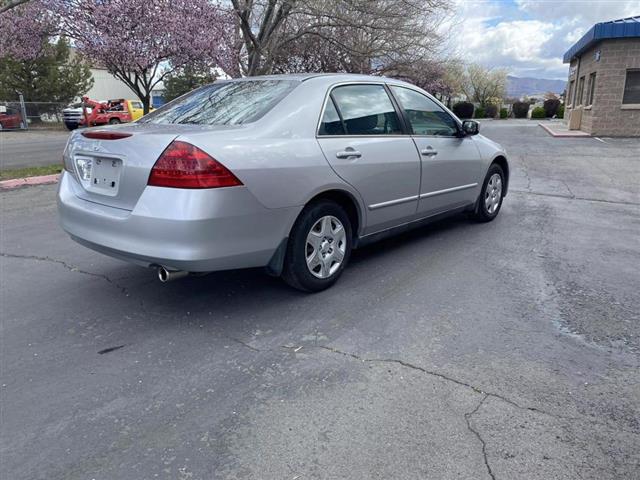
point(105, 135)
point(183, 165)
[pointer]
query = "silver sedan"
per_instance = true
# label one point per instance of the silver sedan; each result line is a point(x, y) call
point(285, 172)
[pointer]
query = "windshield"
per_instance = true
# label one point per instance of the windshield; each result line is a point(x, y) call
point(223, 103)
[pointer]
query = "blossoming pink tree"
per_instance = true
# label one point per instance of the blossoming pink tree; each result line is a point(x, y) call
point(137, 41)
point(25, 29)
point(142, 41)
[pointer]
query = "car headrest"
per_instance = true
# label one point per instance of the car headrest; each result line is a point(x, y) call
point(362, 124)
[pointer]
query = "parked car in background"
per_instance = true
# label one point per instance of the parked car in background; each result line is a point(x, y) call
point(10, 118)
point(72, 115)
point(287, 172)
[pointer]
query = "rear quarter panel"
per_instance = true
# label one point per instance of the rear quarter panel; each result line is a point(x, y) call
point(278, 157)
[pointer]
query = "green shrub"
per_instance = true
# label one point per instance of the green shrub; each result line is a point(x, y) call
point(479, 113)
point(491, 110)
point(560, 112)
point(463, 110)
point(538, 112)
point(520, 109)
point(504, 113)
point(551, 107)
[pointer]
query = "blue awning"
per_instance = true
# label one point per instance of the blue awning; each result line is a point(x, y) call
point(622, 28)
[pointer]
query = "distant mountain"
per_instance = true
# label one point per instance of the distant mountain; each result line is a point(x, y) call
point(519, 87)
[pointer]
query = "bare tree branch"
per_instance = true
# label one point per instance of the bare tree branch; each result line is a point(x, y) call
point(9, 4)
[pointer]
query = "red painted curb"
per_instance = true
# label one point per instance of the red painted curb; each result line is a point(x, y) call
point(21, 182)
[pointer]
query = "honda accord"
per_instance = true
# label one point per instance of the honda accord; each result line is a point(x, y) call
point(286, 172)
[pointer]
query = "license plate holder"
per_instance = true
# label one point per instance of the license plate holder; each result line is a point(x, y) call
point(105, 175)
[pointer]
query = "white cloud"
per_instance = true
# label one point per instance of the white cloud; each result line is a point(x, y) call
point(585, 12)
point(529, 37)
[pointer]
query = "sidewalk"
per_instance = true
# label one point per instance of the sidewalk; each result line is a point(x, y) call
point(560, 129)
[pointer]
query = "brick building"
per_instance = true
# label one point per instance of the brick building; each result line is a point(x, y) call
point(603, 92)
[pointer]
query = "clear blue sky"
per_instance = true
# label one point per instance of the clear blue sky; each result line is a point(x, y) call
point(529, 37)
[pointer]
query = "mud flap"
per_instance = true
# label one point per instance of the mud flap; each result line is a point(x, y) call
point(276, 264)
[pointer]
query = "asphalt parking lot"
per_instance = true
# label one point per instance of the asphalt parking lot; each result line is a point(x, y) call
point(33, 148)
point(508, 350)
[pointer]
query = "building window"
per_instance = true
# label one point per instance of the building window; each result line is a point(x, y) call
point(591, 88)
point(570, 93)
point(580, 91)
point(632, 87)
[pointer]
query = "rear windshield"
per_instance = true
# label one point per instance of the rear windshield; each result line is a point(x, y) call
point(223, 103)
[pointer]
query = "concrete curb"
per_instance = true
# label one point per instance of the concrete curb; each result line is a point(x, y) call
point(567, 134)
point(22, 182)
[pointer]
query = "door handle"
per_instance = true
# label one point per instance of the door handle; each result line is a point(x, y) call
point(428, 152)
point(348, 154)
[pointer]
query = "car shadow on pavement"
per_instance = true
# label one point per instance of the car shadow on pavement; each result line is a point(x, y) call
point(242, 291)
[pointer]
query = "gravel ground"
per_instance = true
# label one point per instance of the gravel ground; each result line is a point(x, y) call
point(507, 350)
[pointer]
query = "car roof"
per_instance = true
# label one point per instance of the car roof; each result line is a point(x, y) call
point(330, 77)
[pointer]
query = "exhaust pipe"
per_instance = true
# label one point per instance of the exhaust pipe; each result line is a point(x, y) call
point(169, 275)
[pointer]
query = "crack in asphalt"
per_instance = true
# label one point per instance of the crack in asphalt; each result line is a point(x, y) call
point(525, 170)
point(584, 199)
point(448, 379)
point(403, 363)
point(467, 417)
point(244, 344)
point(71, 268)
point(566, 185)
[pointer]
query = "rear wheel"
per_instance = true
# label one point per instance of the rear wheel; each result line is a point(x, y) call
point(319, 247)
point(114, 121)
point(490, 199)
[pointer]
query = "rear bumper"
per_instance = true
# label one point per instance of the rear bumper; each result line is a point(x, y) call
point(192, 230)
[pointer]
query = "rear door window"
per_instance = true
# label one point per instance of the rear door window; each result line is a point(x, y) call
point(331, 123)
point(366, 110)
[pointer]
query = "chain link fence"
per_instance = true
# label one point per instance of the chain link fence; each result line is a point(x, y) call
point(22, 115)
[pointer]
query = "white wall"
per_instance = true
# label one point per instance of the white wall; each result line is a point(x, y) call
point(106, 87)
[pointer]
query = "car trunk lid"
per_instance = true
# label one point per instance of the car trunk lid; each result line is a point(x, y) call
point(115, 171)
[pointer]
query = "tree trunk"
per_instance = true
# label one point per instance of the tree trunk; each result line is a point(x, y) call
point(146, 103)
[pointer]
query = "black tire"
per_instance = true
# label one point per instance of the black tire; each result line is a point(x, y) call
point(482, 213)
point(295, 271)
point(114, 121)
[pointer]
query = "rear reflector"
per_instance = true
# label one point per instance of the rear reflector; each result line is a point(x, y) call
point(183, 165)
point(105, 135)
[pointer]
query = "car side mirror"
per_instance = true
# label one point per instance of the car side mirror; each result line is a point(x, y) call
point(470, 127)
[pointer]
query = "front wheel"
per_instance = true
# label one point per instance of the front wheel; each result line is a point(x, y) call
point(319, 247)
point(114, 121)
point(491, 195)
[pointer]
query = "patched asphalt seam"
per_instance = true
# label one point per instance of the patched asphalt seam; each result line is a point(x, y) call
point(467, 417)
